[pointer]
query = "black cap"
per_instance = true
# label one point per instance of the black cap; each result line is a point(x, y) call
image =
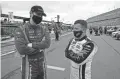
point(38, 9)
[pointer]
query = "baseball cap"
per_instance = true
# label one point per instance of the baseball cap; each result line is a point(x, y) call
point(38, 9)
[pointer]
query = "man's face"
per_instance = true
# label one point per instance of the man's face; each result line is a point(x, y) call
point(36, 18)
point(79, 27)
point(34, 13)
point(79, 30)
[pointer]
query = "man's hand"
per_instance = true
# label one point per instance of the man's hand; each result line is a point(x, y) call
point(82, 53)
point(74, 55)
point(43, 39)
point(29, 45)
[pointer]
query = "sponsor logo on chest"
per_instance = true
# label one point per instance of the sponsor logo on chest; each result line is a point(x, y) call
point(76, 46)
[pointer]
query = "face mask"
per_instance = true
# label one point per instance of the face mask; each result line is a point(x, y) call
point(77, 34)
point(37, 19)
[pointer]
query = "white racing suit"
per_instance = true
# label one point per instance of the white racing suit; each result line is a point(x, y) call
point(81, 64)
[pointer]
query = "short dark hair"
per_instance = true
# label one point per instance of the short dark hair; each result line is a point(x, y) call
point(82, 22)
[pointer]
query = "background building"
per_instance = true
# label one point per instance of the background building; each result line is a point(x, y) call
point(111, 18)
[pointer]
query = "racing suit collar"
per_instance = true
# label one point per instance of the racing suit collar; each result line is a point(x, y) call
point(81, 38)
point(34, 26)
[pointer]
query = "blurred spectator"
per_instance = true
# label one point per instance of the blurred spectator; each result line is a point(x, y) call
point(105, 30)
point(100, 30)
point(115, 28)
point(90, 30)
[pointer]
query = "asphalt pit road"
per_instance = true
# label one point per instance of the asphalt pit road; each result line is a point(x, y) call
point(11, 74)
point(51, 50)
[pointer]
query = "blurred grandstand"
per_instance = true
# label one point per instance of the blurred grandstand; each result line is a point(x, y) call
point(109, 22)
point(111, 18)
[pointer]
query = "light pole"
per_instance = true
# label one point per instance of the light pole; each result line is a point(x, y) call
point(58, 17)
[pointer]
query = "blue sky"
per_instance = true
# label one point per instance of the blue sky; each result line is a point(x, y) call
point(69, 11)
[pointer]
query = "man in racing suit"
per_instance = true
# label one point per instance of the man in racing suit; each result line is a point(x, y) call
point(39, 39)
point(80, 51)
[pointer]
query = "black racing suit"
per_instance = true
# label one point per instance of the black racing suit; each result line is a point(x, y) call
point(40, 38)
